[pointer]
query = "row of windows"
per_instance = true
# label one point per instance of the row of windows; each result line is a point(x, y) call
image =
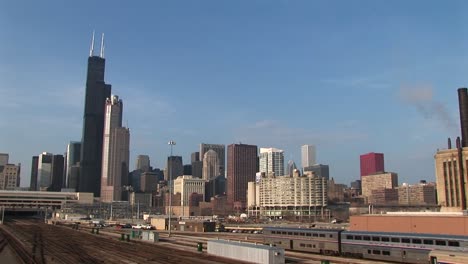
point(406, 240)
point(378, 252)
point(300, 234)
point(307, 245)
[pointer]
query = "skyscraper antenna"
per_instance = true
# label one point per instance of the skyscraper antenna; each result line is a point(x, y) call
point(91, 50)
point(102, 46)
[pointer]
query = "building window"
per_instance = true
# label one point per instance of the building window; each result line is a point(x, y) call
point(385, 239)
point(349, 237)
point(416, 241)
point(428, 242)
point(322, 235)
point(440, 243)
point(358, 238)
point(453, 244)
point(290, 233)
point(315, 235)
point(405, 240)
point(395, 240)
point(369, 251)
point(367, 238)
point(376, 252)
point(386, 253)
point(308, 234)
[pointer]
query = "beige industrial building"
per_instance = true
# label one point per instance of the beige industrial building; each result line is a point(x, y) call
point(280, 196)
point(386, 180)
point(451, 188)
point(10, 176)
point(384, 196)
point(418, 194)
point(186, 185)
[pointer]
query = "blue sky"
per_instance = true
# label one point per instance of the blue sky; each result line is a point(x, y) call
point(350, 77)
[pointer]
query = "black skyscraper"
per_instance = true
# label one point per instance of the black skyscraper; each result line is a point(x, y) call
point(57, 173)
point(34, 167)
point(93, 123)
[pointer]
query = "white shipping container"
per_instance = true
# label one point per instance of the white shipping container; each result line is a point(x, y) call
point(248, 252)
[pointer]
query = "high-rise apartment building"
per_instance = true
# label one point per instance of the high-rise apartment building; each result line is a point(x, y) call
point(97, 91)
point(308, 155)
point(372, 163)
point(241, 169)
point(34, 171)
point(143, 163)
point(387, 180)
point(292, 196)
point(211, 167)
point(4, 159)
point(116, 149)
point(44, 171)
point(9, 176)
point(73, 158)
point(174, 168)
point(272, 161)
point(319, 170)
point(219, 149)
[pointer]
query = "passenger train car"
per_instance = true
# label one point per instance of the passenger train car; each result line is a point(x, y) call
point(399, 247)
point(321, 241)
point(448, 257)
point(396, 247)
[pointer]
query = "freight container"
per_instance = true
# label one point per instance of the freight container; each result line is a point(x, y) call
point(248, 252)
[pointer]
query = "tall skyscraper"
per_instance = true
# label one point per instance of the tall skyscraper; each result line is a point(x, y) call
point(3, 159)
point(241, 169)
point(34, 170)
point(195, 156)
point(372, 163)
point(143, 163)
point(308, 155)
point(57, 173)
point(219, 149)
point(272, 161)
point(211, 166)
point(97, 91)
point(44, 171)
point(174, 168)
point(197, 165)
point(73, 158)
point(115, 152)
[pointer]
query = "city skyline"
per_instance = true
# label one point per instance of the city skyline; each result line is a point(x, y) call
point(386, 92)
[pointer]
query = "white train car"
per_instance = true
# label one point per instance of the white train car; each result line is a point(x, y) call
point(246, 252)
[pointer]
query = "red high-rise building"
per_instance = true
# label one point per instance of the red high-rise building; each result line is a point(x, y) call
point(241, 169)
point(372, 163)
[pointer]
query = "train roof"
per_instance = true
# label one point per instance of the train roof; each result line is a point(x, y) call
point(302, 229)
point(396, 234)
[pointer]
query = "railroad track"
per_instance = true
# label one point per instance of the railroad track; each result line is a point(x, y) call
point(56, 244)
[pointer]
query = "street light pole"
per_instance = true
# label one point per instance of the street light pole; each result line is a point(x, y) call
point(171, 143)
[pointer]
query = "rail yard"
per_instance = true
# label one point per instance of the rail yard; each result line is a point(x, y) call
point(33, 241)
point(36, 242)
